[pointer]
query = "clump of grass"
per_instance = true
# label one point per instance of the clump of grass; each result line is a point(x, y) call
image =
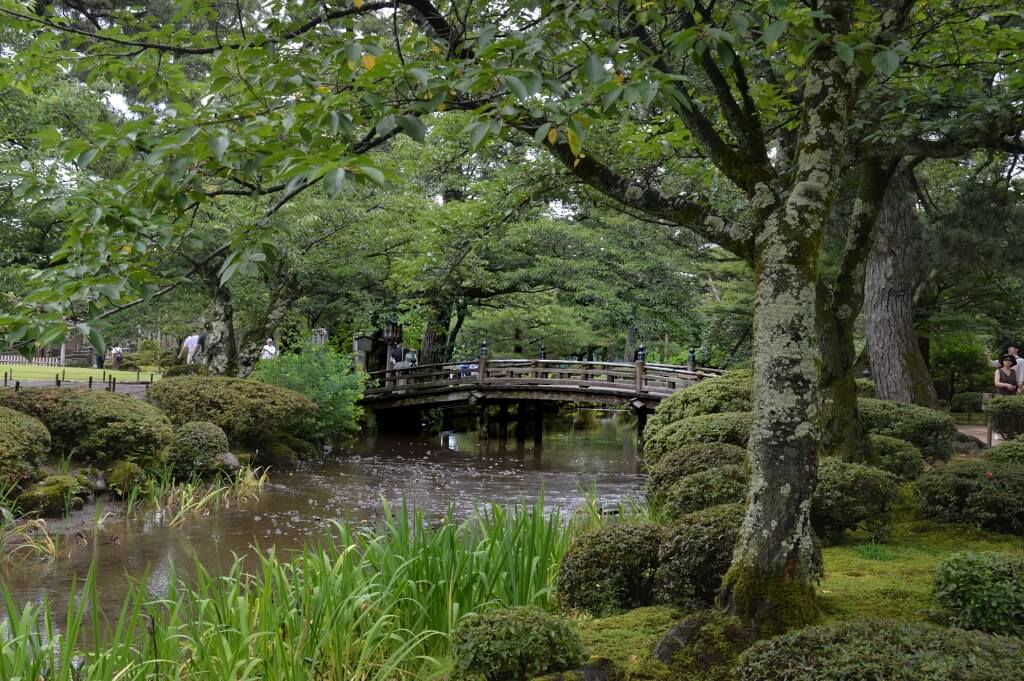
point(176, 500)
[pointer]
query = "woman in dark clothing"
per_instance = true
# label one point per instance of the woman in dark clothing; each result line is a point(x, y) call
point(1006, 376)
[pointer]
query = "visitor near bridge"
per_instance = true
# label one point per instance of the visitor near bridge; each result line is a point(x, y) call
point(1009, 364)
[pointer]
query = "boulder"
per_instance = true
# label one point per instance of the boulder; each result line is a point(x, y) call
point(51, 497)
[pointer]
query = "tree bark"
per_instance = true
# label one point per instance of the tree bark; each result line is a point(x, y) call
point(630, 343)
point(897, 365)
point(435, 338)
point(221, 355)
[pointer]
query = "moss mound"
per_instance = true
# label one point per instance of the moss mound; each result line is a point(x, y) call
point(932, 431)
point(729, 427)
point(249, 412)
point(51, 497)
point(688, 460)
point(697, 554)
point(726, 393)
point(23, 442)
point(712, 487)
point(704, 646)
point(124, 476)
point(198, 449)
point(882, 650)
point(95, 426)
point(851, 494)
point(610, 568)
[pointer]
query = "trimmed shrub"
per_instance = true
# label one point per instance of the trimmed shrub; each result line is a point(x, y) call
point(932, 431)
point(51, 497)
point(124, 476)
point(715, 486)
point(1007, 415)
point(23, 442)
point(687, 460)
point(249, 412)
point(849, 494)
point(610, 568)
point(1010, 451)
point(726, 393)
point(982, 493)
point(982, 591)
point(697, 554)
point(879, 650)
point(966, 403)
point(704, 646)
point(97, 427)
point(186, 370)
point(514, 644)
point(729, 427)
point(198, 449)
point(899, 457)
point(866, 388)
point(326, 378)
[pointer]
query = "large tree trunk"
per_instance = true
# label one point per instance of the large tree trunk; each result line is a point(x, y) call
point(630, 348)
point(221, 355)
point(899, 369)
point(770, 580)
point(435, 338)
point(249, 350)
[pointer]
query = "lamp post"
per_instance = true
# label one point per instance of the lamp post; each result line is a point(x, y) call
point(543, 352)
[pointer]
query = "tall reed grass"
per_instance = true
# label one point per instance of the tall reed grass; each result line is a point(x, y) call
point(366, 604)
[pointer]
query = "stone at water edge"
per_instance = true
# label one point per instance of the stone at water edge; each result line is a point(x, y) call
point(228, 462)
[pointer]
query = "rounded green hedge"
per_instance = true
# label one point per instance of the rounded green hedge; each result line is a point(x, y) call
point(1007, 415)
point(249, 412)
point(1009, 451)
point(711, 487)
point(981, 493)
point(725, 393)
point(23, 442)
point(932, 431)
point(849, 494)
point(982, 591)
point(610, 568)
point(966, 403)
point(882, 651)
point(197, 449)
point(728, 427)
point(97, 426)
point(514, 644)
point(697, 554)
point(899, 457)
point(687, 460)
point(866, 388)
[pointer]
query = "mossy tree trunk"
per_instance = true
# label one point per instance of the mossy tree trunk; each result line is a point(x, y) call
point(221, 355)
point(897, 365)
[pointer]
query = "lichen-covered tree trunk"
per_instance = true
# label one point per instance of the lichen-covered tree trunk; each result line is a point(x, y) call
point(221, 355)
point(844, 433)
point(435, 338)
point(898, 368)
point(776, 557)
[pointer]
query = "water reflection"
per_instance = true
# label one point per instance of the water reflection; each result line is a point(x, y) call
point(298, 506)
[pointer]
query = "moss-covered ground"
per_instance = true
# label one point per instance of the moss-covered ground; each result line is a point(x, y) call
point(628, 639)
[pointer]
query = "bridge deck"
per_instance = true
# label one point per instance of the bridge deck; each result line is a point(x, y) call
point(529, 379)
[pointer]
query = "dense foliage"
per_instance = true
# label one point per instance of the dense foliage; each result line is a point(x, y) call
point(1010, 451)
point(1007, 415)
point(23, 442)
point(899, 457)
point(697, 554)
point(712, 487)
point(729, 392)
point(687, 460)
point(327, 379)
point(96, 426)
point(728, 427)
point(610, 568)
point(982, 591)
point(930, 430)
point(882, 650)
point(981, 493)
point(198, 449)
point(514, 644)
point(849, 494)
point(251, 413)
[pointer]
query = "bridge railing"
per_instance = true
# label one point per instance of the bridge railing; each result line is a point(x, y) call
point(638, 378)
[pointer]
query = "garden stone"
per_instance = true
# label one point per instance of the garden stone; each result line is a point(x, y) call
point(598, 669)
point(51, 497)
point(228, 462)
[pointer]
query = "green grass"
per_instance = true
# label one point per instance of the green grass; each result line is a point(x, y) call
point(41, 373)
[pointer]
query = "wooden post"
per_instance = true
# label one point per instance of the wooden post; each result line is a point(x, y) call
point(113, 384)
point(521, 425)
point(63, 374)
point(485, 423)
point(503, 421)
point(17, 386)
point(138, 375)
point(641, 425)
point(5, 379)
point(56, 380)
point(151, 377)
point(90, 382)
point(640, 361)
point(538, 425)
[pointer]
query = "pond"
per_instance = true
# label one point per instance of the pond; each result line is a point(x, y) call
point(297, 507)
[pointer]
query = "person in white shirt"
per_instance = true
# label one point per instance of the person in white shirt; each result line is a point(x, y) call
point(189, 348)
point(269, 350)
point(115, 356)
point(1013, 350)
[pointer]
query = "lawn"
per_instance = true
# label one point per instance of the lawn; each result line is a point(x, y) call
point(42, 373)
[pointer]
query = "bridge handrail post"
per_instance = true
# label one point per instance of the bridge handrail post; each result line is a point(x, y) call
point(481, 376)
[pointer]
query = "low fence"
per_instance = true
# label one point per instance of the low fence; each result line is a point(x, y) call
point(17, 360)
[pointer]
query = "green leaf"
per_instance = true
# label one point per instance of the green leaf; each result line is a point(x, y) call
point(372, 174)
point(477, 133)
point(773, 31)
point(541, 133)
point(48, 137)
point(886, 61)
point(516, 87)
point(333, 181)
point(594, 69)
point(94, 336)
point(845, 52)
point(413, 127)
point(218, 145)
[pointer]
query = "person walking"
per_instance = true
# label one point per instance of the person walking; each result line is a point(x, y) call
point(115, 356)
point(1007, 381)
point(269, 350)
point(189, 348)
point(1013, 352)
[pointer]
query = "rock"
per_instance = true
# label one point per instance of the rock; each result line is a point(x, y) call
point(704, 645)
point(51, 497)
point(280, 456)
point(94, 479)
point(598, 669)
point(228, 462)
point(124, 476)
point(968, 444)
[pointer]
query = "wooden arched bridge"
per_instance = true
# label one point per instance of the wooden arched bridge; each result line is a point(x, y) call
point(485, 382)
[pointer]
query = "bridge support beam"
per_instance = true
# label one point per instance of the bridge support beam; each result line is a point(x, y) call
point(503, 422)
point(521, 425)
point(538, 425)
point(638, 408)
point(485, 423)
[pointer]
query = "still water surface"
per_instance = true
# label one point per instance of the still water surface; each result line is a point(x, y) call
point(297, 507)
